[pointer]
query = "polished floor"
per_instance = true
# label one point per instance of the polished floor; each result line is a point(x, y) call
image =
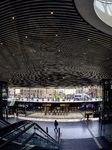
point(41, 116)
point(77, 135)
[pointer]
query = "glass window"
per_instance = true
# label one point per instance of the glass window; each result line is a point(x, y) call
point(105, 1)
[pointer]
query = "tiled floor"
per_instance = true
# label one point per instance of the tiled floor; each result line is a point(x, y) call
point(74, 115)
point(69, 130)
point(78, 144)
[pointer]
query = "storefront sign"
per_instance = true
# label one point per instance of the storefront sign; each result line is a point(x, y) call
point(63, 105)
point(46, 104)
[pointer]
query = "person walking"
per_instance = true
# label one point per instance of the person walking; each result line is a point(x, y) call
point(55, 124)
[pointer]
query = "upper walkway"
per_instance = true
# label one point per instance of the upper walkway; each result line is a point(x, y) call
point(52, 100)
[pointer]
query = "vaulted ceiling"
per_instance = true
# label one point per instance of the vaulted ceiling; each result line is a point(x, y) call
point(46, 43)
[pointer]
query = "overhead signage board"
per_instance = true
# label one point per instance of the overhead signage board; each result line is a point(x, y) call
point(63, 105)
point(46, 104)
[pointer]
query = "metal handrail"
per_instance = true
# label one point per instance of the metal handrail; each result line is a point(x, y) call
point(12, 127)
point(16, 136)
point(56, 143)
point(26, 142)
point(31, 137)
point(46, 133)
point(18, 128)
point(4, 122)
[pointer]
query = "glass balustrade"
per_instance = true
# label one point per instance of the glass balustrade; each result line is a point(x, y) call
point(12, 133)
point(37, 141)
point(29, 134)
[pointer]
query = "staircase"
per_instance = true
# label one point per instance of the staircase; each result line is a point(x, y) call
point(3, 123)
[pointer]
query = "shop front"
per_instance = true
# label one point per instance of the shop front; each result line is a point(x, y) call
point(55, 108)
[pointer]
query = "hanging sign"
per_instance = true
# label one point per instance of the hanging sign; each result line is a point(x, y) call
point(46, 104)
point(63, 105)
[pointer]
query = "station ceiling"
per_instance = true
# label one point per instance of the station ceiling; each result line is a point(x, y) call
point(45, 43)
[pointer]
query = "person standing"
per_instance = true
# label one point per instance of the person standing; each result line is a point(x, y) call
point(55, 124)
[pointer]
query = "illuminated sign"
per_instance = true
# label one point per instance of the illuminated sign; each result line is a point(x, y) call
point(62, 105)
point(78, 96)
point(46, 104)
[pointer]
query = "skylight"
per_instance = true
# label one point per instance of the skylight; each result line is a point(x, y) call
point(103, 9)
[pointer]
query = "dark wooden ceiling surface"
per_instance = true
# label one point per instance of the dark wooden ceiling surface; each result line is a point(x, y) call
point(45, 43)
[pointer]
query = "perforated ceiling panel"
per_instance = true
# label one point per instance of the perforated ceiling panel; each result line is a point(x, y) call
point(45, 43)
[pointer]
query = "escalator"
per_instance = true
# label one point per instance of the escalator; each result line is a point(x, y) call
point(26, 135)
point(3, 123)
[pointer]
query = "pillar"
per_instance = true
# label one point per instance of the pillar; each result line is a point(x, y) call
point(3, 95)
point(106, 94)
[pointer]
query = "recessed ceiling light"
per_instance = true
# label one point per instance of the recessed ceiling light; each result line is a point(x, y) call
point(26, 37)
point(59, 50)
point(13, 18)
point(1, 43)
point(51, 12)
point(84, 53)
point(34, 51)
point(63, 77)
point(56, 34)
point(13, 54)
point(89, 39)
